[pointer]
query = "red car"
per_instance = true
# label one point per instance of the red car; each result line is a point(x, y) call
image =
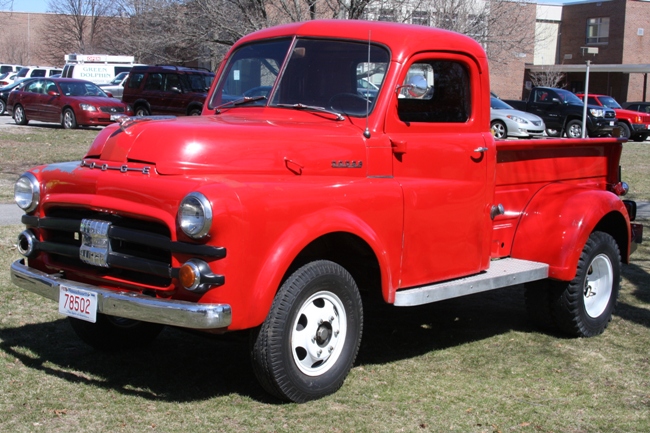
point(67, 101)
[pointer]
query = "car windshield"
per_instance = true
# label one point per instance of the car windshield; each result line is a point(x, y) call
point(80, 88)
point(342, 76)
point(498, 104)
point(119, 77)
point(609, 102)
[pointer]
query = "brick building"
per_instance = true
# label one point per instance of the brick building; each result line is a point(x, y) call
point(619, 30)
point(23, 38)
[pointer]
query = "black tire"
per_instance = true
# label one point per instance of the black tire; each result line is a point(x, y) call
point(305, 348)
point(574, 129)
point(112, 333)
point(3, 107)
point(625, 130)
point(553, 132)
point(585, 306)
point(640, 137)
point(68, 119)
point(499, 129)
point(141, 110)
point(19, 115)
point(194, 112)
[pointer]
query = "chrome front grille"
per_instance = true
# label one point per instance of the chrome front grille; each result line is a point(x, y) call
point(114, 110)
point(111, 247)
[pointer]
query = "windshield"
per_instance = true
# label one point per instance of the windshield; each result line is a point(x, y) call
point(609, 102)
point(81, 89)
point(498, 104)
point(341, 76)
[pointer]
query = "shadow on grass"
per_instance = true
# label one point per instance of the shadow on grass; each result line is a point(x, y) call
point(181, 366)
point(640, 279)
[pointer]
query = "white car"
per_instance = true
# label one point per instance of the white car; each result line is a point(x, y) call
point(116, 86)
point(505, 121)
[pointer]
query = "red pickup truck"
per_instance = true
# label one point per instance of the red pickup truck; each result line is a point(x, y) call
point(634, 125)
point(298, 190)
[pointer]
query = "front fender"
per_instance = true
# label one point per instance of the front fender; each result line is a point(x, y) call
point(300, 234)
point(557, 222)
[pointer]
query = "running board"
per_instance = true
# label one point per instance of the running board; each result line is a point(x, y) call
point(502, 273)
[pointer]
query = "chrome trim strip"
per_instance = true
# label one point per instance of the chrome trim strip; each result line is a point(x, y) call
point(125, 304)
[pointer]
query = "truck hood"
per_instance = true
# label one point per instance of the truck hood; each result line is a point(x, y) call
point(228, 143)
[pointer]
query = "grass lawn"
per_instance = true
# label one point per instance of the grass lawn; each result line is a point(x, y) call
point(473, 364)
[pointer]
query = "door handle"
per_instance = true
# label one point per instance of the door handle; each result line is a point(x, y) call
point(481, 149)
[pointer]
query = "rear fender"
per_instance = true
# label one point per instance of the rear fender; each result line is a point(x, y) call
point(557, 222)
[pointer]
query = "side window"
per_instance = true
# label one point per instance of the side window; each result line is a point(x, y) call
point(435, 92)
point(154, 82)
point(35, 87)
point(38, 73)
point(541, 96)
point(172, 81)
point(136, 80)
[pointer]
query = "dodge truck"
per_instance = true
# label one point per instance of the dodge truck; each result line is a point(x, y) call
point(295, 192)
point(562, 113)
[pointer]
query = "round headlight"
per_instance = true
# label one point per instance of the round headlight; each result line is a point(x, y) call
point(27, 192)
point(195, 215)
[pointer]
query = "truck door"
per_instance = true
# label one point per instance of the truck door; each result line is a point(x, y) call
point(547, 104)
point(442, 148)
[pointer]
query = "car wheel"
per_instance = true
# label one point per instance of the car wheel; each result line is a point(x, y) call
point(19, 115)
point(640, 137)
point(69, 119)
point(3, 107)
point(142, 111)
point(574, 129)
point(110, 333)
point(499, 129)
point(195, 112)
point(306, 346)
point(625, 130)
point(553, 132)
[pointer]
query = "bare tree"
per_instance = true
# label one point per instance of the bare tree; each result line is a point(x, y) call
point(76, 26)
point(549, 76)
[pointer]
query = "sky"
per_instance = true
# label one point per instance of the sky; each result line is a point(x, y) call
point(30, 5)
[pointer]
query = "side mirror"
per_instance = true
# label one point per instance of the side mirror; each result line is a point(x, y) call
point(53, 93)
point(417, 86)
point(176, 90)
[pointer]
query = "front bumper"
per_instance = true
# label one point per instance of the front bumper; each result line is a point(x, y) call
point(125, 304)
point(599, 126)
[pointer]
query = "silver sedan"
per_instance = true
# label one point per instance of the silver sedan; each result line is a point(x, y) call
point(505, 121)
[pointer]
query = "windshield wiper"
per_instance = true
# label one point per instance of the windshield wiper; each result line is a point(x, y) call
point(236, 102)
point(300, 106)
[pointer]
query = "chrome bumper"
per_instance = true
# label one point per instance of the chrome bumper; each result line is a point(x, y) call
point(124, 304)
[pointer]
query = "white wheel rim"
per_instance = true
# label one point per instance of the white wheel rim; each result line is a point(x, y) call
point(67, 118)
point(318, 333)
point(598, 285)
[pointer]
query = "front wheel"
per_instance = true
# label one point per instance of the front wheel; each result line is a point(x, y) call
point(306, 346)
point(111, 333)
point(142, 111)
point(69, 120)
point(499, 129)
point(3, 107)
point(639, 138)
point(625, 130)
point(574, 129)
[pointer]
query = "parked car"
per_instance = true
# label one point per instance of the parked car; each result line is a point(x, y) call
point(505, 121)
point(7, 78)
point(67, 101)
point(116, 86)
point(4, 68)
point(643, 107)
point(4, 92)
point(37, 71)
point(166, 90)
point(633, 124)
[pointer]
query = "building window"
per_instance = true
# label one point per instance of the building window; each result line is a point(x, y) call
point(598, 30)
point(420, 17)
point(387, 15)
